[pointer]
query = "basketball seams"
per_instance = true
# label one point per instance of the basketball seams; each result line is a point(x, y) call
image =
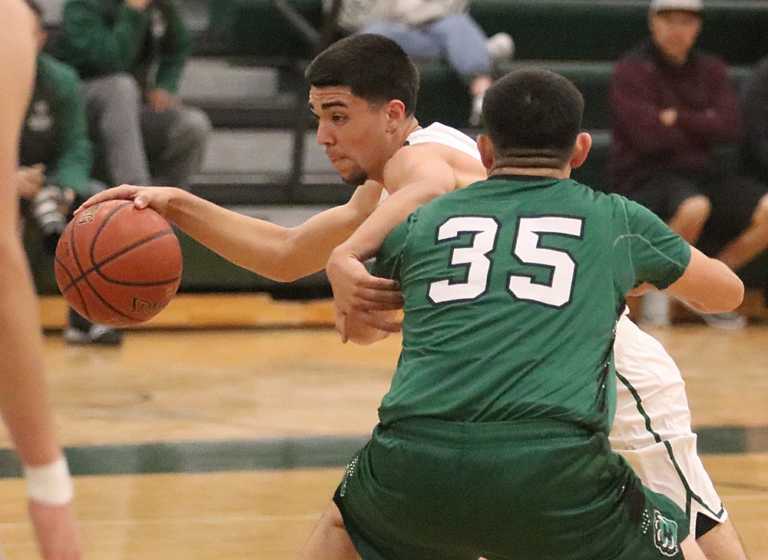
point(97, 265)
point(84, 274)
point(107, 304)
point(72, 281)
point(85, 277)
point(73, 248)
point(84, 245)
point(125, 250)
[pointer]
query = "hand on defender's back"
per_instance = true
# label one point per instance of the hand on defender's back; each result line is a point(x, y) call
point(359, 295)
point(156, 198)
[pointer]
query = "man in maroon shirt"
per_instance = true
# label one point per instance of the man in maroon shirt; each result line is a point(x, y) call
point(672, 106)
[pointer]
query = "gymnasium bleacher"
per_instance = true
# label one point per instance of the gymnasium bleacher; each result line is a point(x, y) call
point(247, 74)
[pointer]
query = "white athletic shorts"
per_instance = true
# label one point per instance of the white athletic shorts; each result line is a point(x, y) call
point(652, 427)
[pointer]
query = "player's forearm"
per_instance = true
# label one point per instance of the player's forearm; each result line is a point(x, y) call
point(368, 238)
point(708, 285)
point(23, 392)
point(270, 250)
point(256, 245)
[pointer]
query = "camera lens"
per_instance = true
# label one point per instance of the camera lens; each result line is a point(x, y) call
point(48, 208)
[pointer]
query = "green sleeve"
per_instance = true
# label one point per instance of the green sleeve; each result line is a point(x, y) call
point(657, 254)
point(390, 256)
point(94, 48)
point(72, 168)
point(174, 51)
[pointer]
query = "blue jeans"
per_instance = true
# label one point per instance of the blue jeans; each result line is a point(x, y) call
point(456, 38)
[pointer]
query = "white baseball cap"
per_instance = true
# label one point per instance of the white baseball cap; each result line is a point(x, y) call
point(683, 5)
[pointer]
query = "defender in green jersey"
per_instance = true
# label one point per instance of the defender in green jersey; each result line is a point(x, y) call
point(493, 437)
point(533, 272)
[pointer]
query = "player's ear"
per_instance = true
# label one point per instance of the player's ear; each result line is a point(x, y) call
point(487, 151)
point(395, 111)
point(581, 150)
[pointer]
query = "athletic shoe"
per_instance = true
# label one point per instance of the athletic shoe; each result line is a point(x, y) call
point(730, 321)
point(96, 334)
point(500, 46)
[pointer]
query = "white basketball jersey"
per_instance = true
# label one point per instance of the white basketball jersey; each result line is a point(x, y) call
point(438, 133)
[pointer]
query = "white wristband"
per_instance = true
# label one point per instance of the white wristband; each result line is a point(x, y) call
point(51, 483)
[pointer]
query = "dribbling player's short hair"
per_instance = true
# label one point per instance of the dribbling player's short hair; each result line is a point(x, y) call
point(373, 67)
point(533, 117)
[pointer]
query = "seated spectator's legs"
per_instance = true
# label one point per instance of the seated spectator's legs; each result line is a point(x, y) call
point(458, 39)
point(414, 41)
point(113, 104)
point(678, 200)
point(175, 140)
point(464, 45)
point(690, 217)
point(741, 214)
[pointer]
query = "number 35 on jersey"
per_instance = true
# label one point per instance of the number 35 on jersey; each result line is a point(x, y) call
point(527, 246)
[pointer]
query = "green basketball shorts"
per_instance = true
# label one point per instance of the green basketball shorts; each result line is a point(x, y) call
point(424, 489)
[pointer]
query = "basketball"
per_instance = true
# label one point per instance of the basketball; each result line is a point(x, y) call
point(117, 265)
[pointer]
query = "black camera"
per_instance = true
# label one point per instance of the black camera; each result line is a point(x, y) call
point(50, 209)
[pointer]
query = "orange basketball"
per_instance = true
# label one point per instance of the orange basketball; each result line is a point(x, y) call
point(117, 265)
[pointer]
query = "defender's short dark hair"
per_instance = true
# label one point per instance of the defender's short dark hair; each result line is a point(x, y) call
point(533, 117)
point(373, 67)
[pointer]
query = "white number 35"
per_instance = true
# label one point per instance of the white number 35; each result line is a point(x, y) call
point(527, 249)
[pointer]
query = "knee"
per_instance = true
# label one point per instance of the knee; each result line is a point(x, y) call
point(122, 89)
point(455, 23)
point(696, 208)
point(760, 216)
point(194, 126)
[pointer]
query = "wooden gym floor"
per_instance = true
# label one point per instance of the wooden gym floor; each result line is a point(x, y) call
point(227, 444)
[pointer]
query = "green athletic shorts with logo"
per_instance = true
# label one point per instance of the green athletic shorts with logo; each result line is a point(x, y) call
point(425, 489)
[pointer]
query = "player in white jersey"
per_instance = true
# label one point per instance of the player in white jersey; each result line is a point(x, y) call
point(372, 138)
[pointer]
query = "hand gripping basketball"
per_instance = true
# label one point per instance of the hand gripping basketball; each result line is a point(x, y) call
point(118, 265)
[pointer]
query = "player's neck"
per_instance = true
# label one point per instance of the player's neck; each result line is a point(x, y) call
point(408, 128)
point(564, 173)
point(393, 144)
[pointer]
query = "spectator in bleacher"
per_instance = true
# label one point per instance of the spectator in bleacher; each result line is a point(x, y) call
point(755, 111)
point(673, 106)
point(131, 55)
point(55, 159)
point(433, 29)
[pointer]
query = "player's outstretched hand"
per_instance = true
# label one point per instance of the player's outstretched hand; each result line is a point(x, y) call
point(354, 289)
point(56, 531)
point(367, 327)
point(641, 290)
point(156, 198)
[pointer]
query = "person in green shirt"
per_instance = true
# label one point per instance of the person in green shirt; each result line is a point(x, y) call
point(56, 158)
point(493, 438)
point(131, 55)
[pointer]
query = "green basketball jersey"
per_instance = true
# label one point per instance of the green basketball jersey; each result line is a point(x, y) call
point(512, 290)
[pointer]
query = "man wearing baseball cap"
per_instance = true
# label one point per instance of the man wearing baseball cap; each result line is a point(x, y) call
point(681, 5)
point(672, 105)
